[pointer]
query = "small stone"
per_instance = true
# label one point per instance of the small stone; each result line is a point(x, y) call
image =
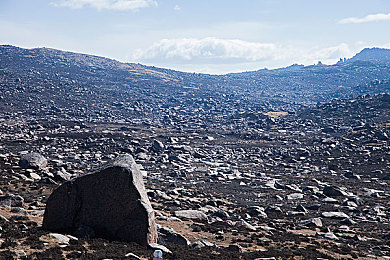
point(132, 256)
point(295, 196)
point(62, 239)
point(244, 224)
point(331, 236)
point(156, 246)
point(313, 222)
point(157, 146)
point(336, 215)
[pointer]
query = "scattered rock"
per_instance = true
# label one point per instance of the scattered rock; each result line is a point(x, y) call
point(333, 191)
point(156, 246)
point(313, 222)
point(245, 225)
point(33, 160)
point(336, 215)
point(191, 214)
point(167, 235)
point(157, 146)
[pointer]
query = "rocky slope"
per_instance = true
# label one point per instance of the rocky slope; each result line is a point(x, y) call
point(227, 178)
point(46, 79)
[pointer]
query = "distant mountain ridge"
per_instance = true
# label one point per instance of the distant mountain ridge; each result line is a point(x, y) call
point(58, 78)
point(372, 54)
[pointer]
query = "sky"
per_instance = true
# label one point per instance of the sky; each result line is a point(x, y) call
point(206, 36)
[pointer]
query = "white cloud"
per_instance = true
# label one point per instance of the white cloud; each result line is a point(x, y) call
point(326, 55)
point(366, 19)
point(210, 49)
point(214, 55)
point(217, 51)
point(106, 4)
point(177, 8)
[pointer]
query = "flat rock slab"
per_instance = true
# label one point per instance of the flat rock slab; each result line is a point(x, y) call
point(191, 214)
point(313, 222)
point(110, 203)
point(295, 196)
point(335, 214)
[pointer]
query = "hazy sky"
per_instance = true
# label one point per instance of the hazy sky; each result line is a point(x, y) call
point(212, 36)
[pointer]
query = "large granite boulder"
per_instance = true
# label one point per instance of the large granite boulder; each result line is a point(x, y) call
point(110, 203)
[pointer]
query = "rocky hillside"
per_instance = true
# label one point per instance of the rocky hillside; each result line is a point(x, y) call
point(47, 80)
point(372, 54)
point(228, 175)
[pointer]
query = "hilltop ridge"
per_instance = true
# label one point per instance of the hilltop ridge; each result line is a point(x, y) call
point(372, 54)
point(266, 90)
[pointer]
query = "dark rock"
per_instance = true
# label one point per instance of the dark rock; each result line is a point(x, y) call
point(166, 235)
point(112, 201)
point(32, 160)
point(85, 232)
point(234, 248)
point(11, 200)
point(314, 207)
point(47, 180)
point(19, 210)
point(351, 175)
point(256, 211)
point(332, 191)
point(157, 146)
point(301, 208)
point(221, 214)
point(274, 212)
point(212, 203)
point(279, 185)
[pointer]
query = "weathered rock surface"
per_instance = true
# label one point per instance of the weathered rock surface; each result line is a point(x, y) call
point(313, 222)
point(335, 214)
point(32, 160)
point(191, 214)
point(112, 202)
point(167, 235)
point(334, 191)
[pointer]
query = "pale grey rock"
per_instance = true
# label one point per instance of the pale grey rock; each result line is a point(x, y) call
point(33, 160)
point(191, 214)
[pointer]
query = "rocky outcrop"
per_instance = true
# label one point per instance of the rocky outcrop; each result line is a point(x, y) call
point(112, 202)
